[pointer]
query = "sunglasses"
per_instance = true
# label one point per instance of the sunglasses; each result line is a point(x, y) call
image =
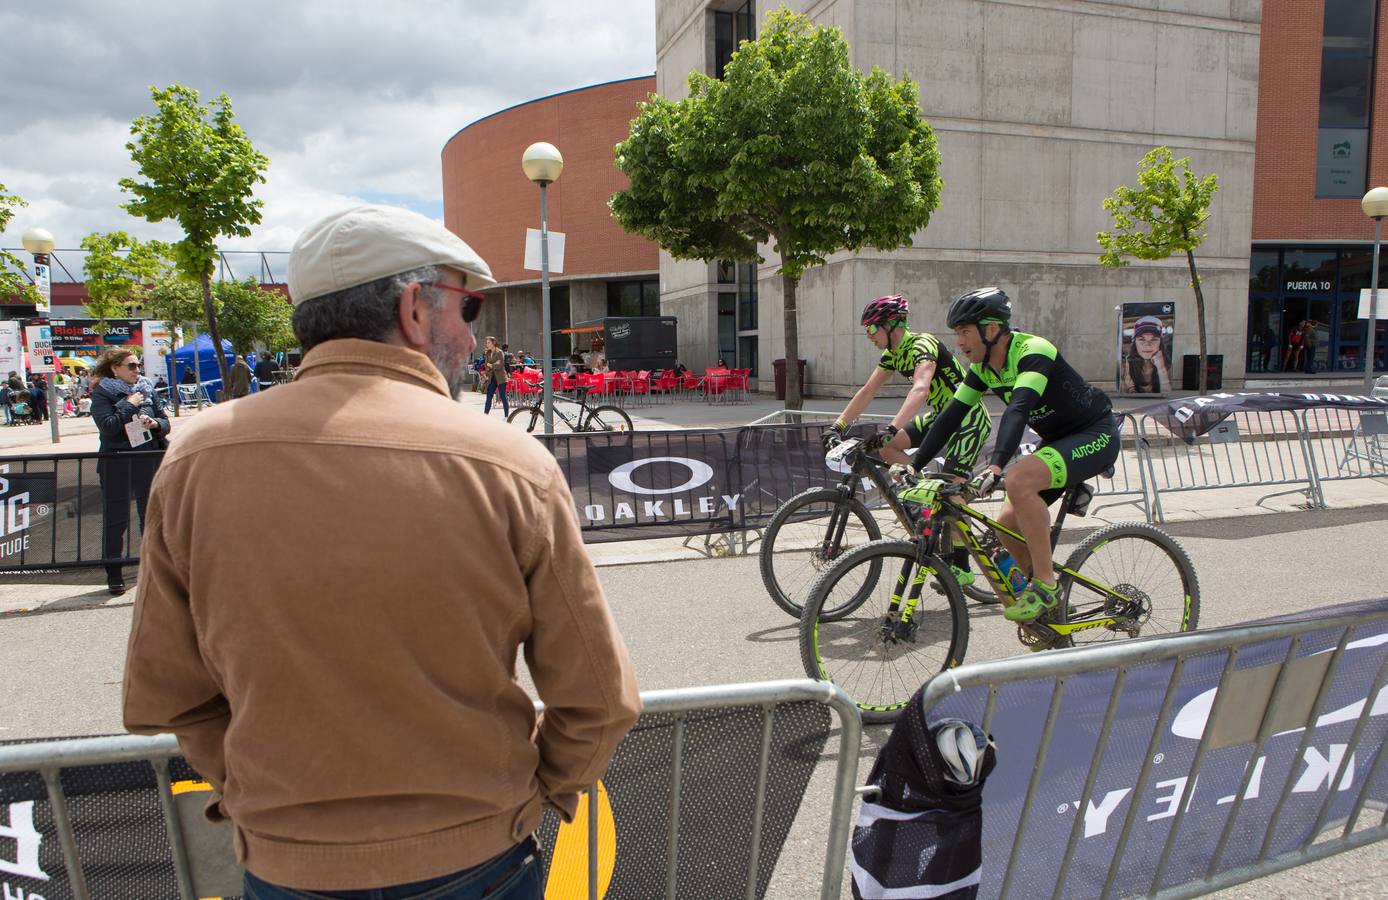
point(472, 301)
point(871, 329)
point(130, 365)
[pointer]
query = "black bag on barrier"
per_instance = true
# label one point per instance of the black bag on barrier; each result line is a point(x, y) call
point(925, 828)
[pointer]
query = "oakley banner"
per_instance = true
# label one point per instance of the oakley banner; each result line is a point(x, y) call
point(1305, 776)
point(1190, 417)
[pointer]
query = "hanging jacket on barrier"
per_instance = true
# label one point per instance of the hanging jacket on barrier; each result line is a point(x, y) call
point(922, 836)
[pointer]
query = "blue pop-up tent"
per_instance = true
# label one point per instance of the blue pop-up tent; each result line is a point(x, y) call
point(183, 358)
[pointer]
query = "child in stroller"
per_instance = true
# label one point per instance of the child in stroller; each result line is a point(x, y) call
point(21, 408)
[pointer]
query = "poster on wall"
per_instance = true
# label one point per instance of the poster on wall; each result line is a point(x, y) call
point(159, 343)
point(1145, 335)
point(12, 357)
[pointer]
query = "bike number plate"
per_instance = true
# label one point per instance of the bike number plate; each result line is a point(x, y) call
point(836, 458)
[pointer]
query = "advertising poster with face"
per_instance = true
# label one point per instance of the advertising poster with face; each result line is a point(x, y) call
point(1145, 334)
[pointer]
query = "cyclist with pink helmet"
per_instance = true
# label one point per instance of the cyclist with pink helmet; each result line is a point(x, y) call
point(934, 374)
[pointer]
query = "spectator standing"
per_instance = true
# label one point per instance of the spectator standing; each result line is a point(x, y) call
point(495, 369)
point(120, 400)
point(240, 378)
point(352, 695)
point(38, 397)
point(1309, 338)
point(265, 370)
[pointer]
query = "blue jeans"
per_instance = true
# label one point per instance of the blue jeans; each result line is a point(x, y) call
point(494, 386)
point(513, 875)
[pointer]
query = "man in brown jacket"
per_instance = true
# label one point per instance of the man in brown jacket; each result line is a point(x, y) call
point(351, 693)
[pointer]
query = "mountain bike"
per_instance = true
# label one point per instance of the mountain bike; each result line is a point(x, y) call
point(889, 615)
point(594, 418)
point(817, 526)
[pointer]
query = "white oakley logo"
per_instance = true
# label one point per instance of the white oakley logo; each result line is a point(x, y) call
point(701, 473)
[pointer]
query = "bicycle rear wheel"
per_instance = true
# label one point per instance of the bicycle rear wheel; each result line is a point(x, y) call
point(1152, 573)
point(880, 660)
point(607, 418)
point(529, 417)
point(806, 535)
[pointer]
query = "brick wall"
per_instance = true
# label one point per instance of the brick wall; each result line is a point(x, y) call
point(1285, 206)
point(488, 201)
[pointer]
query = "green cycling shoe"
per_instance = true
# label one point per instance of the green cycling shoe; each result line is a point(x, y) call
point(965, 577)
point(1035, 599)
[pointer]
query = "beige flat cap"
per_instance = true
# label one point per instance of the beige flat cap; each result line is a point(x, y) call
point(364, 243)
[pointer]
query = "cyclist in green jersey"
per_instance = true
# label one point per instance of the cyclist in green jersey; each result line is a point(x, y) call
point(1073, 418)
point(935, 375)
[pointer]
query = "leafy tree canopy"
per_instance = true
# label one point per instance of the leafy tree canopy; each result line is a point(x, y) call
point(794, 147)
point(1165, 214)
point(12, 268)
point(198, 168)
point(119, 272)
point(251, 315)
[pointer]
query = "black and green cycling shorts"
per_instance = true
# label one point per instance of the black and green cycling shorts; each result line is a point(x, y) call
point(962, 450)
point(1079, 457)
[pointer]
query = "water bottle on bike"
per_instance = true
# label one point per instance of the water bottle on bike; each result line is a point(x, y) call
point(1011, 572)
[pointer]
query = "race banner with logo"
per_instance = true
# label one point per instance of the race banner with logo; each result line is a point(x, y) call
point(26, 513)
point(1312, 777)
point(1190, 417)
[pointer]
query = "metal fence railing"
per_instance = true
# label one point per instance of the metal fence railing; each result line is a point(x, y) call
point(1175, 766)
point(698, 802)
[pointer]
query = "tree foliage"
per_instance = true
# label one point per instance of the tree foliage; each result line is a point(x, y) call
point(199, 168)
point(794, 147)
point(174, 300)
point(1164, 215)
point(12, 268)
point(119, 272)
point(251, 315)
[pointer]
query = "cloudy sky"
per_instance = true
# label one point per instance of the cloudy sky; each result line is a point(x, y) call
point(350, 100)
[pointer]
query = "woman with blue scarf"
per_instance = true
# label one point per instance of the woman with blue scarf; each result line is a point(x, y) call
point(131, 419)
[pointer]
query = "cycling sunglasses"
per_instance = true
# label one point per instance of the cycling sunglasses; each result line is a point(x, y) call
point(472, 301)
point(872, 329)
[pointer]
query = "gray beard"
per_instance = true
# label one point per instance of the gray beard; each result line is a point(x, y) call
point(453, 368)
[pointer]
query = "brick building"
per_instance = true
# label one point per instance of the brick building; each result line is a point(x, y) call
point(487, 198)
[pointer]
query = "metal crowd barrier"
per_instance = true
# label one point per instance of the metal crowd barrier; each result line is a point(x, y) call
point(1345, 444)
point(785, 725)
point(1248, 449)
point(56, 508)
point(1225, 739)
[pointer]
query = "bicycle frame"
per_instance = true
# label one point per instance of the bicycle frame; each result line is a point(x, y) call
point(951, 511)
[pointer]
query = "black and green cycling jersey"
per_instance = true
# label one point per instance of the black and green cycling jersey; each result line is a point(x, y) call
point(915, 349)
point(1040, 388)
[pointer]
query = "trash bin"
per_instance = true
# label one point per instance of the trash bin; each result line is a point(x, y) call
point(780, 366)
point(1190, 368)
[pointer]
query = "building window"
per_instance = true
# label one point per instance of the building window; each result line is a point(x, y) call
point(633, 298)
point(747, 298)
point(730, 29)
point(1347, 66)
point(727, 271)
point(727, 329)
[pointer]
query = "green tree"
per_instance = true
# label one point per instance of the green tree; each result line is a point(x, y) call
point(119, 272)
point(175, 300)
point(12, 268)
point(794, 147)
point(1164, 215)
point(251, 315)
point(200, 169)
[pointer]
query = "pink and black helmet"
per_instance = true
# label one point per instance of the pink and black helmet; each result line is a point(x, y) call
point(886, 312)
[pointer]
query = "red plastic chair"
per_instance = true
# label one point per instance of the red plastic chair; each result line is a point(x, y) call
point(641, 386)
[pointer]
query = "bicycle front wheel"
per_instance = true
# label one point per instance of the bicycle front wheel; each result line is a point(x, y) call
point(607, 418)
point(911, 626)
point(1151, 582)
point(527, 416)
point(806, 535)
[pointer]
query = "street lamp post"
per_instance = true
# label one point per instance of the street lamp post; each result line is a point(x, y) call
point(542, 164)
point(39, 242)
point(1375, 204)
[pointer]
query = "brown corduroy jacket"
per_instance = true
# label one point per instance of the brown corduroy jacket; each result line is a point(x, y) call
point(348, 681)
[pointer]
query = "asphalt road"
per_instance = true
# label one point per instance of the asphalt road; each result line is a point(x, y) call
point(709, 622)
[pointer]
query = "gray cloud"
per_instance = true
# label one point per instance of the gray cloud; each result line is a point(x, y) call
point(347, 99)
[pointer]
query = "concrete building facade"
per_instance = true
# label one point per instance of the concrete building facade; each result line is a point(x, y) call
point(1041, 109)
point(488, 200)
